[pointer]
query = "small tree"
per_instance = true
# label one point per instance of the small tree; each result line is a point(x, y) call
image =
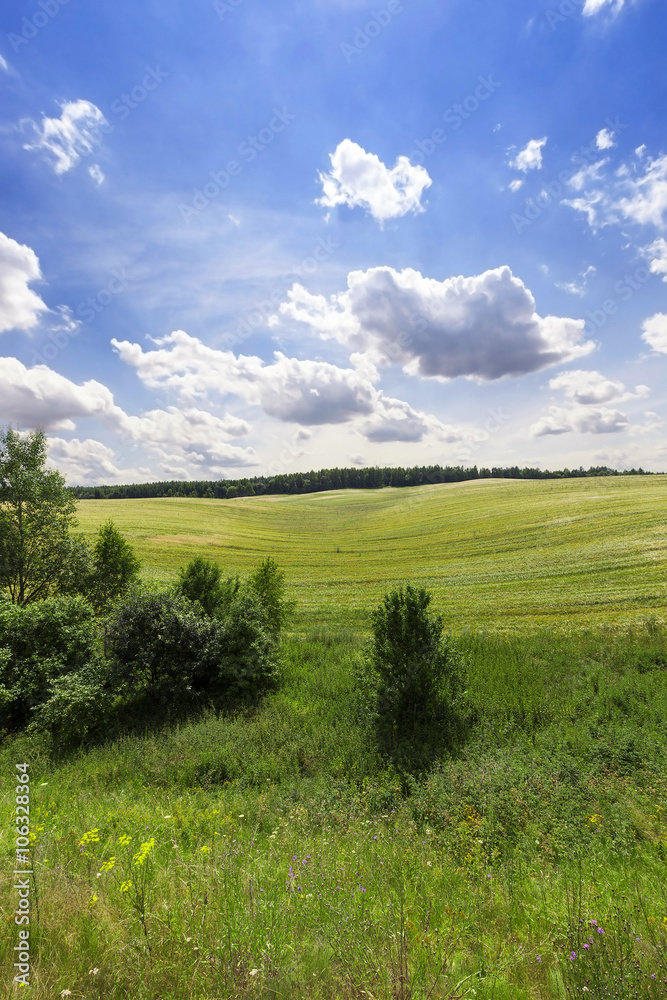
point(36, 514)
point(115, 567)
point(200, 581)
point(268, 582)
point(415, 673)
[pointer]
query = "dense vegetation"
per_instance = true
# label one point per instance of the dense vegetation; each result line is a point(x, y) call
point(334, 479)
point(438, 805)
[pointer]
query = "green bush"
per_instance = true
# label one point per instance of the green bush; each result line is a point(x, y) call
point(246, 660)
point(115, 568)
point(164, 646)
point(414, 676)
point(78, 708)
point(200, 581)
point(156, 644)
point(268, 582)
point(40, 642)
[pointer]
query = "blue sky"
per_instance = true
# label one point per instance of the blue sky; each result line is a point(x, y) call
point(241, 238)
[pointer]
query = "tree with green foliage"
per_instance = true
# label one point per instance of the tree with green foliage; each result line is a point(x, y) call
point(36, 514)
point(268, 582)
point(115, 568)
point(201, 581)
point(39, 643)
point(413, 673)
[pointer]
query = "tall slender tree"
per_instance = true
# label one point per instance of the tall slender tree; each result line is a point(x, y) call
point(36, 514)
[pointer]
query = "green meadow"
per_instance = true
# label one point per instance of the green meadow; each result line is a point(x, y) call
point(495, 553)
point(274, 852)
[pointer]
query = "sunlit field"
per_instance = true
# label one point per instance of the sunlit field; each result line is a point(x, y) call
point(274, 852)
point(495, 553)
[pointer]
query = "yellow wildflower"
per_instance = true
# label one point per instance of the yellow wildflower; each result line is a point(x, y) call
point(92, 837)
point(143, 852)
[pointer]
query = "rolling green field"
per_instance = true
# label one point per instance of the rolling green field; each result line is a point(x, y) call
point(276, 852)
point(496, 553)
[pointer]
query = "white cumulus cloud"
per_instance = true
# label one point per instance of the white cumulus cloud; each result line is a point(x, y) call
point(20, 307)
point(361, 179)
point(40, 396)
point(605, 139)
point(655, 332)
point(591, 388)
point(483, 327)
point(310, 393)
point(90, 462)
point(586, 393)
point(582, 419)
point(530, 158)
point(657, 253)
point(195, 440)
point(67, 138)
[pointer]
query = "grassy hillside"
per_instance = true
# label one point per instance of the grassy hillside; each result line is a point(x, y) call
point(276, 853)
point(497, 553)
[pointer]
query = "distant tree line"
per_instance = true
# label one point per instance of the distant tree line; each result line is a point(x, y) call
point(334, 479)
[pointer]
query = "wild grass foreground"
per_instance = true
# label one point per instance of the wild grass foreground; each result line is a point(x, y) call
point(274, 852)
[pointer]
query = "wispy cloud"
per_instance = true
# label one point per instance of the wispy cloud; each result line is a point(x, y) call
point(67, 138)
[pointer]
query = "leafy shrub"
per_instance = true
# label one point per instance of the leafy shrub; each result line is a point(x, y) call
point(164, 646)
point(77, 709)
point(200, 581)
point(268, 582)
point(157, 642)
point(246, 658)
point(41, 641)
point(115, 568)
point(413, 675)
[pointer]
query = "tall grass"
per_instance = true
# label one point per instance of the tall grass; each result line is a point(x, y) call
point(275, 853)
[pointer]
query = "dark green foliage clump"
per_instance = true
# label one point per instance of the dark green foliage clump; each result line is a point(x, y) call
point(39, 643)
point(413, 675)
point(164, 650)
point(201, 581)
point(115, 568)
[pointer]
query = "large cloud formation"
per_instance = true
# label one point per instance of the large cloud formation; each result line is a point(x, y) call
point(40, 396)
point(483, 327)
point(310, 393)
point(358, 178)
point(20, 307)
point(187, 438)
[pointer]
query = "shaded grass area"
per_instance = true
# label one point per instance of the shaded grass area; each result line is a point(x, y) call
point(284, 857)
point(495, 553)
